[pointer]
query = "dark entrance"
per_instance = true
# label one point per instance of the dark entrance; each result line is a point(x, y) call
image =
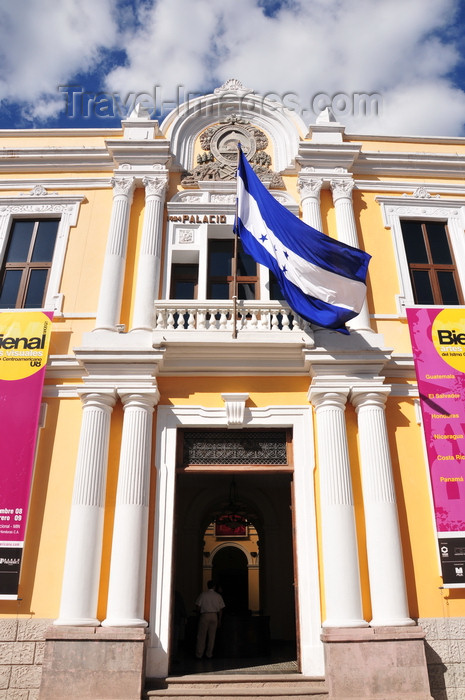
point(230, 572)
point(258, 585)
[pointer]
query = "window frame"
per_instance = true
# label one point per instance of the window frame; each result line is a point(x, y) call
point(27, 266)
point(229, 279)
point(431, 268)
point(178, 274)
point(187, 232)
point(422, 206)
point(39, 204)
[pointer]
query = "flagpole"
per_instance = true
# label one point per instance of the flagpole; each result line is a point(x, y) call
point(234, 270)
point(235, 284)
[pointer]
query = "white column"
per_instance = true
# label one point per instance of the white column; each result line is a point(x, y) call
point(148, 270)
point(339, 538)
point(84, 547)
point(309, 189)
point(347, 233)
point(111, 286)
point(130, 531)
point(384, 549)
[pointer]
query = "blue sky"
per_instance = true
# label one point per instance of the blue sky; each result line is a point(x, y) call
point(383, 66)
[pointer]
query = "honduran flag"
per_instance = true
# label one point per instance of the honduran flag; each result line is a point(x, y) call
point(321, 279)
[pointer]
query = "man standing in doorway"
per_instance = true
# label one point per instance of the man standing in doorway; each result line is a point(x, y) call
point(210, 606)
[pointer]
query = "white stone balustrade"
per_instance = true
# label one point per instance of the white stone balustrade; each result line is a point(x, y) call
point(189, 315)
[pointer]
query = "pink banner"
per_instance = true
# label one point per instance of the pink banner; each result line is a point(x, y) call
point(438, 342)
point(24, 341)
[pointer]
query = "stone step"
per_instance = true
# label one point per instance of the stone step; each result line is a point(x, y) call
point(229, 687)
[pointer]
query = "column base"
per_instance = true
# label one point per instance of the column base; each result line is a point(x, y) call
point(77, 622)
point(344, 623)
point(398, 622)
point(124, 622)
point(386, 663)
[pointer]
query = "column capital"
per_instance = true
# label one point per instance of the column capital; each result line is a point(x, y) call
point(105, 398)
point(325, 397)
point(123, 186)
point(309, 187)
point(369, 396)
point(143, 398)
point(155, 186)
point(342, 188)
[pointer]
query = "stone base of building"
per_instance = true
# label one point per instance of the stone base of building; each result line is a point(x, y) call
point(386, 663)
point(93, 662)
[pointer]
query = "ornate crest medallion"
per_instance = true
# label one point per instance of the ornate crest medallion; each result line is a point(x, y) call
point(219, 158)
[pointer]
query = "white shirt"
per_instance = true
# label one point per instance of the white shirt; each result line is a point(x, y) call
point(210, 602)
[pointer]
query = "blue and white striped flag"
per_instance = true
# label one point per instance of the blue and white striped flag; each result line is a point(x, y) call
point(321, 279)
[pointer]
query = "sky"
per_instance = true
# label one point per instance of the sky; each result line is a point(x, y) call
point(382, 66)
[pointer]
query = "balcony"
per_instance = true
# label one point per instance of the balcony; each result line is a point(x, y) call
point(218, 315)
point(197, 337)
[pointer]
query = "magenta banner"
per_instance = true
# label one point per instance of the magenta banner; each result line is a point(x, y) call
point(24, 341)
point(438, 342)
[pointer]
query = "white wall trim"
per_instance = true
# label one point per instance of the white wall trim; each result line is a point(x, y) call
point(299, 418)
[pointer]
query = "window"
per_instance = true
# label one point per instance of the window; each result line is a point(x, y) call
point(433, 224)
point(184, 281)
point(433, 272)
point(220, 283)
point(27, 262)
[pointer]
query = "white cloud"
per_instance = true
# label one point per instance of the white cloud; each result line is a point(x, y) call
point(431, 108)
point(390, 47)
point(405, 52)
point(44, 42)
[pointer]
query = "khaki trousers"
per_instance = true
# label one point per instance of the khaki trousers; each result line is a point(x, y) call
point(206, 632)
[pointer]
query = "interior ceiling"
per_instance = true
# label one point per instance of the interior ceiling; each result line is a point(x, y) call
point(250, 489)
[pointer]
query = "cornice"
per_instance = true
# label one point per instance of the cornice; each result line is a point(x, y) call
point(410, 164)
point(134, 153)
point(400, 365)
point(45, 201)
point(427, 202)
point(63, 367)
point(216, 356)
point(318, 158)
point(333, 158)
point(62, 183)
point(408, 187)
point(402, 138)
point(31, 133)
point(55, 159)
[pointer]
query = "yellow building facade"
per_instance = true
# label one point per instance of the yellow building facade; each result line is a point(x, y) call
point(284, 460)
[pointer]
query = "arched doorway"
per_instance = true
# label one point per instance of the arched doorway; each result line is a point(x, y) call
point(230, 573)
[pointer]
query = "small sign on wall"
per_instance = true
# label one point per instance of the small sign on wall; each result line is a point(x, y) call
point(452, 554)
